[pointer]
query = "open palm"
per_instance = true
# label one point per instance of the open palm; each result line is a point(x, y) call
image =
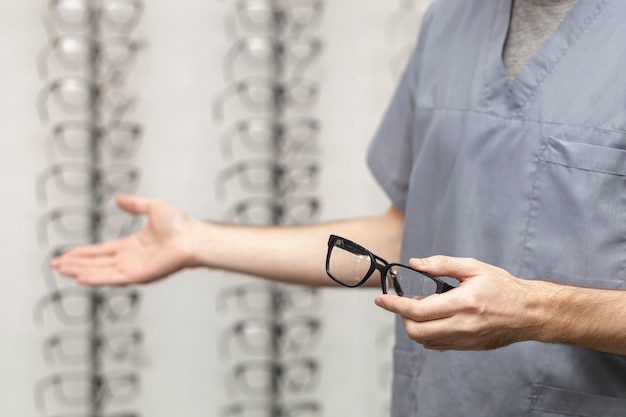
point(161, 247)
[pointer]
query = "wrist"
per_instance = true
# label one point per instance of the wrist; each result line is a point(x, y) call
point(559, 305)
point(198, 243)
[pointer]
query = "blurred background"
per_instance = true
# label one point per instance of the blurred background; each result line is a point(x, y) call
point(248, 111)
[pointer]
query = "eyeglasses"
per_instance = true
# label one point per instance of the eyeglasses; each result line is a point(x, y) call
point(261, 94)
point(266, 409)
point(266, 15)
point(76, 347)
point(74, 52)
point(351, 265)
point(75, 95)
point(78, 222)
point(78, 388)
point(262, 298)
point(264, 51)
point(78, 179)
point(265, 134)
point(255, 378)
point(267, 175)
point(74, 138)
point(267, 211)
point(118, 15)
point(76, 305)
point(258, 336)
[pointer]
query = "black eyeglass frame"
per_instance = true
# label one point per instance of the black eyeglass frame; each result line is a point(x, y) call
point(377, 263)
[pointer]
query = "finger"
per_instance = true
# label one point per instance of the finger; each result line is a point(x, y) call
point(433, 307)
point(101, 276)
point(439, 265)
point(98, 249)
point(133, 204)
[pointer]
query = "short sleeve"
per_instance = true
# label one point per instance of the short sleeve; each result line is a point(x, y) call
point(390, 155)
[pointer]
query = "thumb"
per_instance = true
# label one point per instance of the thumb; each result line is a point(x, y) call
point(439, 265)
point(133, 204)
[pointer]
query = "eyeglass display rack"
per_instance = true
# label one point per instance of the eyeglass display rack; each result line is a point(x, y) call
point(93, 344)
point(270, 178)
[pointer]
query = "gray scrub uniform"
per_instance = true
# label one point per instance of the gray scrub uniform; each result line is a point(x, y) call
point(529, 176)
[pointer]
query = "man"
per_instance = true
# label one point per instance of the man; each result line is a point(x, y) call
point(505, 142)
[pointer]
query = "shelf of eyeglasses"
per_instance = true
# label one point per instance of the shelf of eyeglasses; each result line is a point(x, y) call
point(78, 390)
point(300, 408)
point(266, 378)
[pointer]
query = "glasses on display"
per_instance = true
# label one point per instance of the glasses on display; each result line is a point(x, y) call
point(268, 175)
point(259, 299)
point(72, 347)
point(78, 223)
point(78, 52)
point(294, 54)
point(269, 16)
point(77, 389)
point(258, 336)
point(75, 138)
point(259, 94)
point(79, 306)
point(267, 210)
point(268, 99)
point(75, 96)
point(265, 134)
point(75, 178)
point(84, 67)
point(255, 378)
point(351, 265)
point(78, 15)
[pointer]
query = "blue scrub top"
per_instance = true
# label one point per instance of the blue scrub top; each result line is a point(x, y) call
point(529, 176)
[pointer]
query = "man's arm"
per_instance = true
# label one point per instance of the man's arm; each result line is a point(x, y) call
point(170, 241)
point(491, 308)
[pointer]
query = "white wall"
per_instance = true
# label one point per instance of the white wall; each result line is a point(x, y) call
point(176, 77)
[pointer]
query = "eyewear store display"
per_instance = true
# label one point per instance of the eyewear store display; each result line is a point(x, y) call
point(93, 345)
point(92, 342)
point(268, 104)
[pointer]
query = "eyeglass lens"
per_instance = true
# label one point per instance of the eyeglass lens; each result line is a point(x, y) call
point(408, 282)
point(349, 266)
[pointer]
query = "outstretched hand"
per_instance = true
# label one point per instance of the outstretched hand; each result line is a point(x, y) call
point(160, 248)
point(489, 309)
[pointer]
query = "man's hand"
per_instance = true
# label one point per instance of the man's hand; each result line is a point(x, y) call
point(489, 309)
point(161, 247)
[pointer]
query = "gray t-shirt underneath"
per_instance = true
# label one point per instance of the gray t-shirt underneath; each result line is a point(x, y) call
point(532, 22)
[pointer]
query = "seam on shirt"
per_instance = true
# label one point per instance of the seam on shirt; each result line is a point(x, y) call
point(520, 119)
point(600, 7)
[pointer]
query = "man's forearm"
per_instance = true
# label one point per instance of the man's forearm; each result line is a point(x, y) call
point(294, 254)
point(585, 317)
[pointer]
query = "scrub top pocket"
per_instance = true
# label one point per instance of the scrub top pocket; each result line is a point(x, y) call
point(579, 201)
point(549, 401)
